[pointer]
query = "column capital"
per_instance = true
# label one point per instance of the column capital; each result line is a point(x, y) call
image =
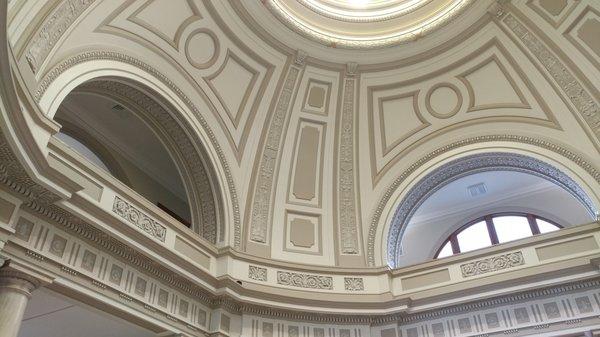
point(21, 278)
point(18, 281)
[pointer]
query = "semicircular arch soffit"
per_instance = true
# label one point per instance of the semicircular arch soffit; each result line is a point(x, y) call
point(373, 233)
point(461, 167)
point(199, 180)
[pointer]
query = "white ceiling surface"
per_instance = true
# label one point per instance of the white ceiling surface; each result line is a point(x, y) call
point(128, 135)
point(50, 315)
point(501, 186)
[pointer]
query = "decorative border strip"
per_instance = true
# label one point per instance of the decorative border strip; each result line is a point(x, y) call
point(580, 98)
point(53, 29)
point(269, 160)
point(492, 264)
point(346, 184)
point(136, 217)
point(304, 280)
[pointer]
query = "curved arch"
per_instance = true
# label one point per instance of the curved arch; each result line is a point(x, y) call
point(577, 165)
point(89, 65)
point(461, 167)
point(199, 180)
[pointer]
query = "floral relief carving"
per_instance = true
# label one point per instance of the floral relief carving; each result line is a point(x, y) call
point(579, 96)
point(257, 273)
point(492, 264)
point(269, 159)
point(136, 217)
point(304, 280)
point(347, 194)
point(354, 283)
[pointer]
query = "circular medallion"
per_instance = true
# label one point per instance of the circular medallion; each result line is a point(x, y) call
point(443, 100)
point(202, 48)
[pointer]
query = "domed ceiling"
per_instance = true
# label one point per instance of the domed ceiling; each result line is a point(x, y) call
point(319, 116)
point(365, 24)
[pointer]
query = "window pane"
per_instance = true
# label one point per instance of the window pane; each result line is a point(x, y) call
point(545, 226)
point(474, 237)
point(511, 228)
point(446, 251)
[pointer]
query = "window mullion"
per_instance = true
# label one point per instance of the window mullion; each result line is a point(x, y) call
point(491, 230)
point(535, 229)
point(454, 244)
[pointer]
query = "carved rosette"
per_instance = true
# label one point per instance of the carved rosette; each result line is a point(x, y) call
point(136, 217)
point(492, 264)
point(304, 280)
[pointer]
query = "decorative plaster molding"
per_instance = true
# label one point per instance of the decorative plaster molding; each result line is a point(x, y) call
point(492, 264)
point(375, 219)
point(354, 283)
point(300, 57)
point(196, 177)
point(478, 306)
point(346, 172)
point(579, 96)
point(304, 280)
point(53, 28)
point(138, 218)
point(14, 176)
point(126, 254)
point(257, 273)
point(115, 56)
point(461, 167)
point(121, 251)
point(269, 160)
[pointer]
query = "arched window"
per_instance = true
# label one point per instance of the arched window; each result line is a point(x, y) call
point(494, 229)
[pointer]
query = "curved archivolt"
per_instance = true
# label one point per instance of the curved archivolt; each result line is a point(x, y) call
point(150, 149)
point(462, 167)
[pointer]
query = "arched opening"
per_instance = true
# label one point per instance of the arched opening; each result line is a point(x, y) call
point(133, 134)
point(481, 200)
